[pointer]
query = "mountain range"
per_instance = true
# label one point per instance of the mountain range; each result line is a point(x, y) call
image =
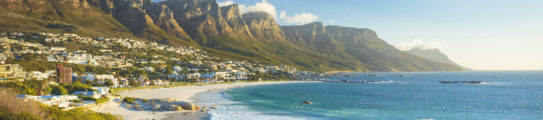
point(433, 54)
point(223, 31)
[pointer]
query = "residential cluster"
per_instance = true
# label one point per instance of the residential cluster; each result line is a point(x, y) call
point(65, 58)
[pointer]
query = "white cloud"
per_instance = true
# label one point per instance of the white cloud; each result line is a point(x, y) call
point(226, 3)
point(332, 21)
point(302, 18)
point(263, 6)
point(418, 44)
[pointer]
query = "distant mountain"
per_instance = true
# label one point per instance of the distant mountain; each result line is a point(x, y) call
point(361, 45)
point(222, 31)
point(431, 54)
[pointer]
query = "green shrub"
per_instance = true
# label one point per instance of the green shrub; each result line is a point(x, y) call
point(20, 116)
point(76, 114)
point(77, 101)
point(85, 98)
point(129, 100)
point(59, 90)
point(101, 100)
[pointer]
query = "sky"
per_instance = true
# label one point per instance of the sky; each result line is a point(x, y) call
point(478, 34)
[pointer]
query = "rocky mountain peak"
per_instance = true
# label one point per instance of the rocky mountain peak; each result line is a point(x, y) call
point(263, 26)
point(308, 33)
point(257, 16)
point(233, 17)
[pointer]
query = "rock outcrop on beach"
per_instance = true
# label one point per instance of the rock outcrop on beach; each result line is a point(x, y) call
point(185, 105)
point(160, 105)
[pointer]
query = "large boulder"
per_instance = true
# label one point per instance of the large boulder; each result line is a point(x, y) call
point(138, 107)
point(180, 109)
point(156, 107)
point(175, 108)
point(186, 105)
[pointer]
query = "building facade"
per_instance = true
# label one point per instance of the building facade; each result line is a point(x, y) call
point(8, 71)
point(64, 74)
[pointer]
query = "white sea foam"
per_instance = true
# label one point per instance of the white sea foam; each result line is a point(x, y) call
point(382, 82)
point(488, 83)
point(233, 110)
point(427, 119)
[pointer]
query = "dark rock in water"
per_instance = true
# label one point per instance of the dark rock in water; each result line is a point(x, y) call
point(307, 102)
point(472, 82)
point(460, 82)
point(344, 80)
point(371, 81)
point(446, 82)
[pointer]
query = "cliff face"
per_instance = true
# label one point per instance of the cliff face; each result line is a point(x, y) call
point(164, 19)
point(312, 35)
point(304, 34)
point(131, 14)
point(104, 5)
point(263, 26)
point(200, 18)
point(223, 31)
point(235, 20)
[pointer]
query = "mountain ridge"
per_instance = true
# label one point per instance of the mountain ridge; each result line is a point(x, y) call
point(433, 54)
point(221, 30)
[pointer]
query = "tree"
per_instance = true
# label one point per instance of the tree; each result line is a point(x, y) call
point(152, 83)
point(108, 83)
point(88, 82)
point(59, 90)
point(133, 83)
point(79, 79)
point(169, 70)
point(43, 85)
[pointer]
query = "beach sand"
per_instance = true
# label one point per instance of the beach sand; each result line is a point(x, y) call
point(180, 93)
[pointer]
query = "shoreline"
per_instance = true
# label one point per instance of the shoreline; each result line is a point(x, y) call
point(184, 93)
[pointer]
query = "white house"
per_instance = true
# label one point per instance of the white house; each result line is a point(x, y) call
point(59, 100)
point(108, 77)
point(102, 90)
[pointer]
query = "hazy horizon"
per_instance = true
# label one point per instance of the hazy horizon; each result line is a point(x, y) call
point(481, 35)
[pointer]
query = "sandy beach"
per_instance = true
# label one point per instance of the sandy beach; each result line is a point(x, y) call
point(180, 93)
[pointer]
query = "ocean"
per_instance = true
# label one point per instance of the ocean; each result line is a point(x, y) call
point(501, 95)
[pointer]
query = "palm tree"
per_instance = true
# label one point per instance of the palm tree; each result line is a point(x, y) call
point(43, 85)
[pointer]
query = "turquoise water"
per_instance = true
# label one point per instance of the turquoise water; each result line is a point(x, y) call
point(509, 96)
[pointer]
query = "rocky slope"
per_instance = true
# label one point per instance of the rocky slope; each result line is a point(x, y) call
point(431, 54)
point(356, 44)
point(58, 16)
point(223, 31)
point(263, 26)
